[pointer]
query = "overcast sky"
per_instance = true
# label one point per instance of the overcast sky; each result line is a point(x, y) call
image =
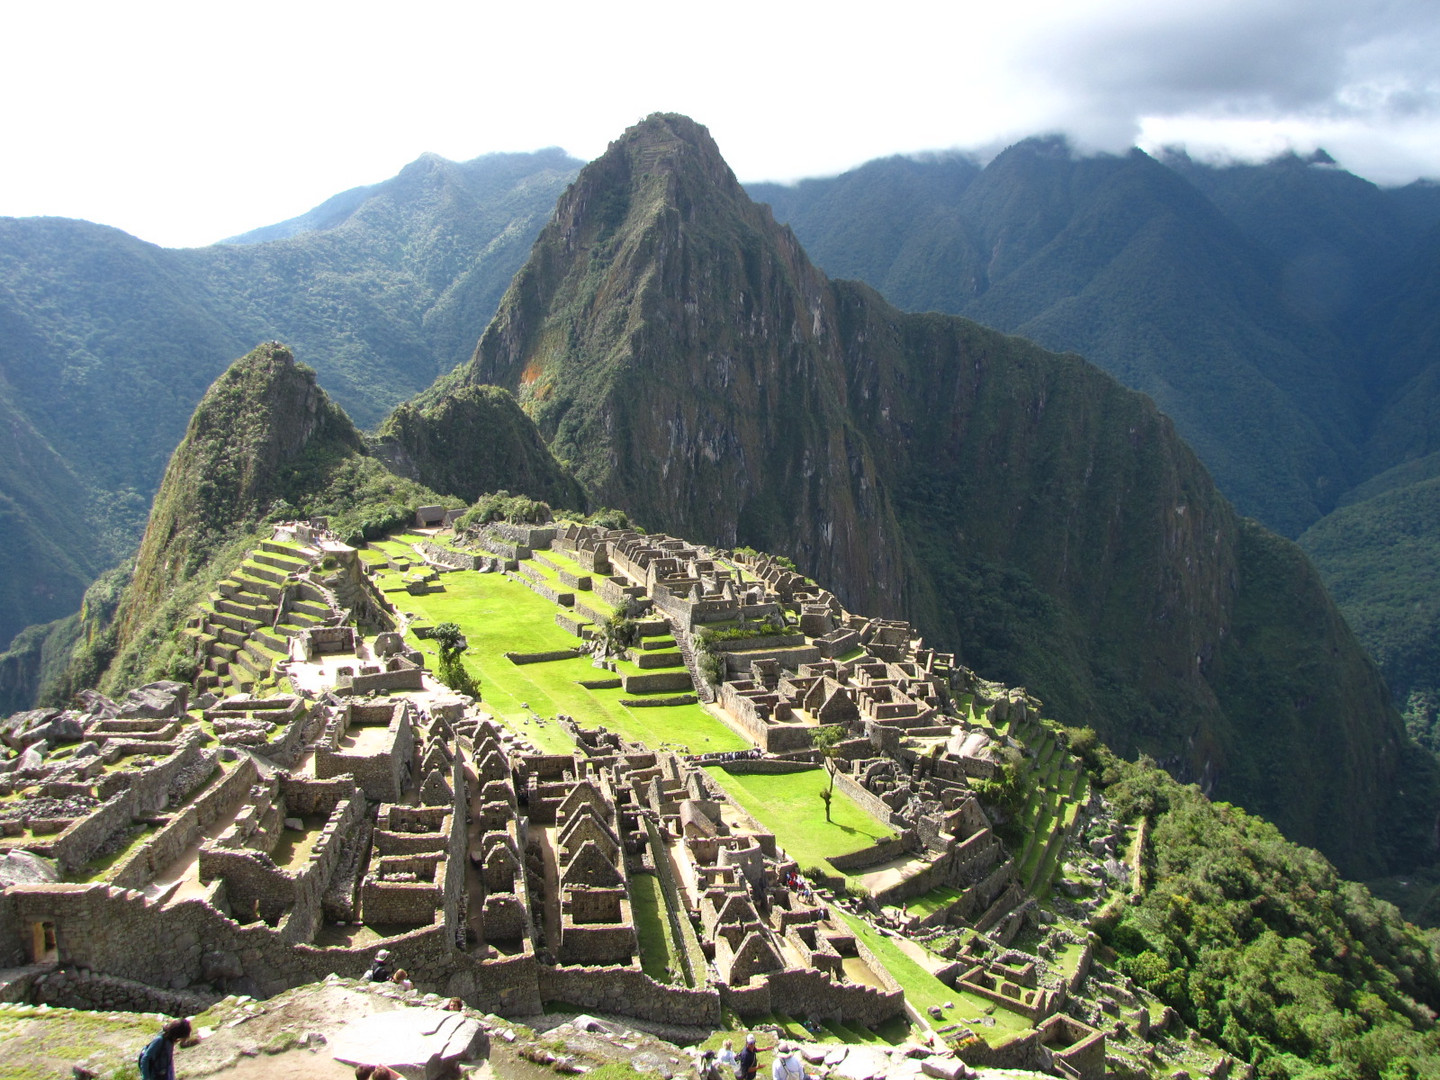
point(184, 123)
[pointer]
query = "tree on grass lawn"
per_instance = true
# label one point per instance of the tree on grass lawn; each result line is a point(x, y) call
point(826, 741)
point(451, 669)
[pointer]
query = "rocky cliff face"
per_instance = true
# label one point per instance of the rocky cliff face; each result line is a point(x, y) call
point(679, 351)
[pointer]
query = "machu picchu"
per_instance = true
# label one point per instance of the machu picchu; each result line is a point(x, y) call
point(613, 825)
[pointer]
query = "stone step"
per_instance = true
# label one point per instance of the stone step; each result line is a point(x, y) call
point(261, 613)
point(239, 623)
point(271, 639)
point(246, 586)
point(318, 612)
point(288, 563)
point(295, 621)
point(257, 570)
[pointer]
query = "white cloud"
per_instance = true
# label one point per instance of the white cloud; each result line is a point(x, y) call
point(183, 123)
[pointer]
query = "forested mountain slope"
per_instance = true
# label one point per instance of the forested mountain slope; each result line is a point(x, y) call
point(107, 343)
point(680, 352)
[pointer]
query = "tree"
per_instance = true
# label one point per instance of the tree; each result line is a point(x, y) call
point(826, 741)
point(451, 670)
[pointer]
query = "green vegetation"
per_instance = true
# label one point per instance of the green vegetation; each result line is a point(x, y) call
point(498, 615)
point(1259, 944)
point(786, 804)
point(1381, 561)
point(659, 953)
point(923, 990)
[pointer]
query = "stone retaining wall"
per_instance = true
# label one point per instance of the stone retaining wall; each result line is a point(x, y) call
point(746, 766)
point(75, 989)
point(543, 657)
point(628, 991)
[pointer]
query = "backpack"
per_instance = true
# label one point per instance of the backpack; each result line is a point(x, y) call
point(151, 1060)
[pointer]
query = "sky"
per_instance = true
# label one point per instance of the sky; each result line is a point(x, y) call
point(184, 123)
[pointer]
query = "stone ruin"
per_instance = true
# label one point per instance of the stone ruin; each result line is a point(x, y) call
point(309, 830)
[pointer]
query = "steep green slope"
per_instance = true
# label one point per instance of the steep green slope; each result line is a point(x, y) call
point(1260, 946)
point(264, 444)
point(475, 440)
point(1381, 560)
point(107, 343)
point(680, 352)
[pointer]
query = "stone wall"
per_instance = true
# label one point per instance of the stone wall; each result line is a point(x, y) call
point(745, 766)
point(869, 801)
point(627, 991)
point(658, 682)
point(443, 556)
point(873, 855)
point(73, 988)
point(542, 657)
point(14, 945)
point(147, 791)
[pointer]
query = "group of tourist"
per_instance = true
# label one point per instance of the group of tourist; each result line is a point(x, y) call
point(796, 883)
point(718, 757)
point(728, 1065)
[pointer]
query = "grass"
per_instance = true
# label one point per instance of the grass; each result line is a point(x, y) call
point(44, 1045)
point(924, 990)
point(942, 896)
point(498, 615)
point(788, 804)
point(659, 955)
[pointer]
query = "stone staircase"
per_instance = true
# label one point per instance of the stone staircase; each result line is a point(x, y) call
point(243, 629)
point(703, 690)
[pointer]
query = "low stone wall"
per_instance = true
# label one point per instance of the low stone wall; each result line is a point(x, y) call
point(746, 766)
point(573, 623)
point(869, 801)
point(627, 991)
point(659, 682)
point(659, 702)
point(76, 989)
point(146, 791)
point(581, 582)
point(759, 642)
point(455, 560)
point(404, 679)
point(543, 657)
point(873, 855)
point(564, 599)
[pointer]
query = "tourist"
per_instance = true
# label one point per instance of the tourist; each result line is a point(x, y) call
point(748, 1064)
point(157, 1060)
point(788, 1065)
point(728, 1061)
point(376, 1072)
point(401, 978)
point(379, 970)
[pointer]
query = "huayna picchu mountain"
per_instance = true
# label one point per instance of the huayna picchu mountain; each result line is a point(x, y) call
point(266, 443)
point(678, 351)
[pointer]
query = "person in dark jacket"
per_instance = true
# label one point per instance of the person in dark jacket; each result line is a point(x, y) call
point(380, 969)
point(157, 1060)
point(748, 1064)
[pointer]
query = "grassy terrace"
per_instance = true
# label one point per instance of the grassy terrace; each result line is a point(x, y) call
point(788, 804)
point(923, 989)
point(498, 615)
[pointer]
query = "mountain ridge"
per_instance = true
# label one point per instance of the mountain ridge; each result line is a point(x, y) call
point(671, 341)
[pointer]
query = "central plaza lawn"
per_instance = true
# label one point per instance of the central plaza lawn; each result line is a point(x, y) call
point(498, 615)
point(789, 805)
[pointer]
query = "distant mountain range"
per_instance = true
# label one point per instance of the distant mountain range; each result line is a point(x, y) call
point(107, 343)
